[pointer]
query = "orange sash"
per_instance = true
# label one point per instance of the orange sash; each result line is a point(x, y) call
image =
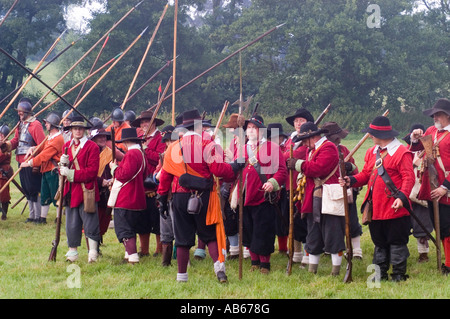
point(173, 164)
point(105, 158)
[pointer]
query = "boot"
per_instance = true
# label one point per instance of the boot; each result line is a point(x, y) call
point(381, 258)
point(166, 254)
point(44, 213)
point(4, 210)
point(399, 256)
point(93, 250)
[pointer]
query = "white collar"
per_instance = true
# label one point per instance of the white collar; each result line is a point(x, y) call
point(134, 147)
point(391, 147)
point(447, 128)
point(50, 137)
point(261, 141)
point(189, 133)
point(154, 132)
point(320, 142)
point(83, 141)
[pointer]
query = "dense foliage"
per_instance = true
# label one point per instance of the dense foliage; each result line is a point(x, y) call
point(362, 58)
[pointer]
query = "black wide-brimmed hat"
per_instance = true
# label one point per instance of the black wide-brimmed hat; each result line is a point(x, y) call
point(381, 128)
point(189, 117)
point(275, 129)
point(441, 105)
point(334, 131)
point(98, 132)
point(304, 113)
point(166, 133)
point(255, 119)
point(309, 129)
point(407, 138)
point(77, 121)
point(146, 115)
point(129, 134)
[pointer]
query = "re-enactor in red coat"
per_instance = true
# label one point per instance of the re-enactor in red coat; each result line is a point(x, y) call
point(86, 153)
point(390, 226)
point(129, 209)
point(440, 112)
point(201, 157)
point(325, 231)
point(263, 174)
point(153, 148)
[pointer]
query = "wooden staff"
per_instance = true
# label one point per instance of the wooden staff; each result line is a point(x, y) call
point(9, 11)
point(222, 61)
point(361, 142)
point(241, 157)
point(175, 26)
point(147, 131)
point(106, 72)
point(38, 66)
point(144, 56)
point(89, 51)
point(67, 92)
point(291, 214)
point(219, 121)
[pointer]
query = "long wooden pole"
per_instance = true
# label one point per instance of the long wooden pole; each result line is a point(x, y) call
point(9, 11)
point(174, 66)
point(291, 215)
point(38, 66)
point(144, 56)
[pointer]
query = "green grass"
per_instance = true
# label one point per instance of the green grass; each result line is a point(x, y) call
point(26, 273)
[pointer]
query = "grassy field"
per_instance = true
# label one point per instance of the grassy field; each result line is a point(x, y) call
point(26, 273)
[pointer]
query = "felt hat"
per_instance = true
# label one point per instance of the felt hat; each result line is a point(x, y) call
point(334, 131)
point(232, 121)
point(309, 129)
point(146, 115)
point(275, 129)
point(381, 128)
point(255, 119)
point(189, 117)
point(441, 105)
point(166, 133)
point(304, 113)
point(77, 121)
point(129, 134)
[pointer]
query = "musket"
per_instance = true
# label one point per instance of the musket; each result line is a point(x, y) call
point(55, 242)
point(361, 142)
point(9, 11)
point(90, 50)
point(291, 215)
point(22, 87)
point(322, 115)
point(152, 120)
point(16, 203)
point(113, 143)
point(150, 42)
point(41, 68)
point(427, 142)
point(348, 239)
point(222, 61)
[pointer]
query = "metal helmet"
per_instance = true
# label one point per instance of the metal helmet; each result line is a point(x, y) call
point(70, 115)
point(24, 106)
point(4, 129)
point(53, 119)
point(96, 123)
point(117, 115)
point(130, 116)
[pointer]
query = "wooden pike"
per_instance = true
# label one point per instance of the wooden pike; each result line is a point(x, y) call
point(9, 11)
point(175, 27)
point(22, 87)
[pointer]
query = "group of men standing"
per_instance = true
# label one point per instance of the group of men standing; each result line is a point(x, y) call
point(181, 185)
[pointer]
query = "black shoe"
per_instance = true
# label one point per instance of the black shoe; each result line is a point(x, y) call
point(42, 220)
point(222, 277)
point(399, 277)
point(29, 220)
point(445, 270)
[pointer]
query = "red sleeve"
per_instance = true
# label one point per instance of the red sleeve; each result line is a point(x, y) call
point(37, 132)
point(165, 182)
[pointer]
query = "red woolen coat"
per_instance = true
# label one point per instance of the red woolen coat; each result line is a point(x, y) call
point(132, 195)
point(444, 150)
point(319, 163)
point(88, 159)
point(272, 164)
point(400, 168)
point(204, 156)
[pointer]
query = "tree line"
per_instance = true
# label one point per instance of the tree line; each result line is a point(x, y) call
point(362, 58)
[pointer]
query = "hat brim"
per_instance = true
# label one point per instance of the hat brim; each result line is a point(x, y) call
point(137, 122)
point(131, 139)
point(75, 124)
point(259, 125)
point(341, 134)
point(381, 134)
point(304, 136)
point(432, 111)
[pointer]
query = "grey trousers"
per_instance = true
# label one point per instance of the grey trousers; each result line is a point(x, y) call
point(166, 227)
point(77, 220)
